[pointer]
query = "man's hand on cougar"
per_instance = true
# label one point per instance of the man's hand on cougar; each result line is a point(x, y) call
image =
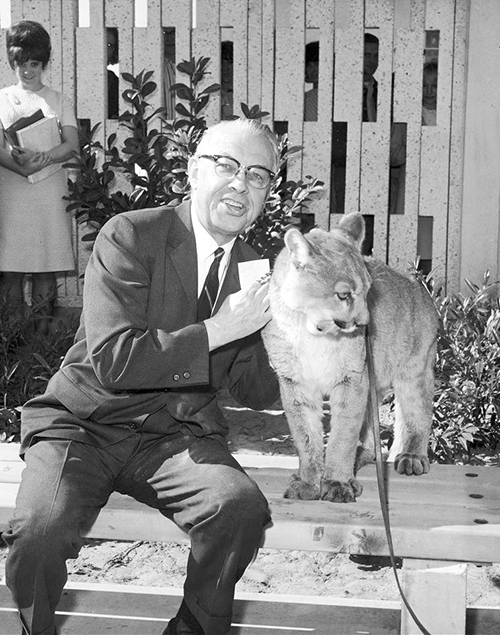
point(241, 314)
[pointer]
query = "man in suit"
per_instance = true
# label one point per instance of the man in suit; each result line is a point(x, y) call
point(370, 85)
point(133, 407)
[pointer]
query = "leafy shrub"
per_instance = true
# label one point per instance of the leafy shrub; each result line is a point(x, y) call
point(465, 426)
point(467, 398)
point(28, 359)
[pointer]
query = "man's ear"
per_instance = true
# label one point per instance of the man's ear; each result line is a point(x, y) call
point(193, 172)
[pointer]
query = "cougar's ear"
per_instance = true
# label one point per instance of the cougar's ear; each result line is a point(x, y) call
point(354, 225)
point(298, 247)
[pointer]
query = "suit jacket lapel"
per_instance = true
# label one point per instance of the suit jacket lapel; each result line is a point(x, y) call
point(231, 282)
point(183, 255)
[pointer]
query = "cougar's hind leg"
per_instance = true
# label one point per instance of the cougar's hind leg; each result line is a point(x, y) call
point(304, 411)
point(414, 402)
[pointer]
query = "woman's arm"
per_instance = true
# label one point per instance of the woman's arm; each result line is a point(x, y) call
point(30, 166)
point(34, 161)
point(67, 149)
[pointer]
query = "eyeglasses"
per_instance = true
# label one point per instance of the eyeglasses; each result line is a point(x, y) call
point(226, 167)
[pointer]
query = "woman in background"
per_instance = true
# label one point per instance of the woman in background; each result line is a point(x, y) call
point(35, 230)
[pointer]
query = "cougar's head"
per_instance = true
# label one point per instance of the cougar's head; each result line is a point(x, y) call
point(323, 276)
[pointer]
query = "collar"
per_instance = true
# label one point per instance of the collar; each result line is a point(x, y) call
point(205, 247)
point(429, 116)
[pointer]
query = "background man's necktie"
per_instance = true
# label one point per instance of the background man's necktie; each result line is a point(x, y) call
point(208, 296)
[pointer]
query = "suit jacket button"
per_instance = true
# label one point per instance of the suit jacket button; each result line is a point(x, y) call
point(176, 377)
point(187, 375)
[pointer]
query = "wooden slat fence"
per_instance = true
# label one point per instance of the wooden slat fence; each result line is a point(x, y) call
point(269, 39)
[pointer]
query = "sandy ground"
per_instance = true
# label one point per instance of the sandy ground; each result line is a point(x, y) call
point(287, 572)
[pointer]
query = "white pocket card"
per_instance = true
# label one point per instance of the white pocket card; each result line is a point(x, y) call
point(252, 270)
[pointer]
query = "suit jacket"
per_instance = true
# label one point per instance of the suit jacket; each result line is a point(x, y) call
point(140, 361)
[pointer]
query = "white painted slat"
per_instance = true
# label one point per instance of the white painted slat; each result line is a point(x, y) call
point(434, 167)
point(119, 14)
point(457, 138)
point(289, 75)
point(90, 79)
point(236, 16)
point(257, 61)
point(178, 14)
point(375, 137)
point(408, 47)
point(205, 42)
point(317, 137)
point(147, 50)
point(347, 107)
point(268, 55)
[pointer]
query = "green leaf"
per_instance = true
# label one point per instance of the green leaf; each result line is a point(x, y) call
point(186, 67)
point(182, 110)
point(213, 88)
point(128, 78)
point(201, 104)
point(185, 93)
point(12, 370)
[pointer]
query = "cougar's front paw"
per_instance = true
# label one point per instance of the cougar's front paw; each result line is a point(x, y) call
point(340, 491)
point(297, 488)
point(409, 464)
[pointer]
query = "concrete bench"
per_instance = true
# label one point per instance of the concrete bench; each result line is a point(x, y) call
point(440, 522)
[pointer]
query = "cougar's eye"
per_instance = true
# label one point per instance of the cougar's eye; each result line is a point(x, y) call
point(343, 296)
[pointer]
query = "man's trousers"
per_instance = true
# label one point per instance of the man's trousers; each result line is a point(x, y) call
point(192, 481)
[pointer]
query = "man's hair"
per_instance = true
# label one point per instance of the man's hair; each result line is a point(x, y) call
point(27, 40)
point(312, 52)
point(431, 67)
point(371, 39)
point(243, 126)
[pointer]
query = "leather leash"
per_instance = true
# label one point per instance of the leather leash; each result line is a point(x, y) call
point(373, 417)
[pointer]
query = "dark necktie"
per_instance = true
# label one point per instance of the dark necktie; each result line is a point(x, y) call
point(206, 301)
point(366, 111)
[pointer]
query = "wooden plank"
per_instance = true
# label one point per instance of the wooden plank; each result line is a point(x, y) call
point(436, 516)
point(130, 609)
point(428, 583)
point(87, 609)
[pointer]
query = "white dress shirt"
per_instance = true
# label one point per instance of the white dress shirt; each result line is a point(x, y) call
point(205, 248)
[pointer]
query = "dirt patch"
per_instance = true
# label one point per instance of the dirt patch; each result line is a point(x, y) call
point(286, 572)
